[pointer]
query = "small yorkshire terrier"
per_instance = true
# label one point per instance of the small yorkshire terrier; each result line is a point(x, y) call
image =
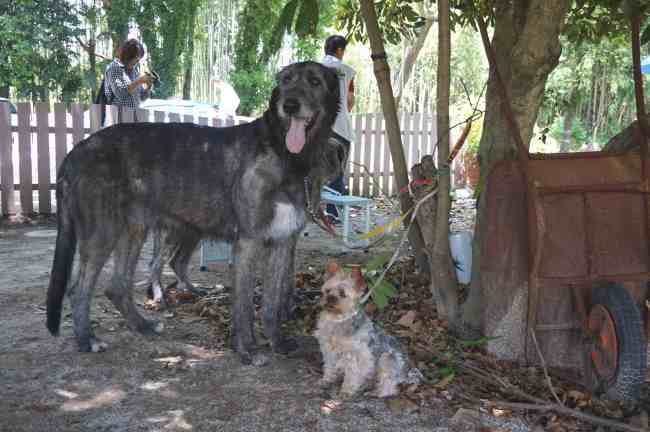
point(353, 347)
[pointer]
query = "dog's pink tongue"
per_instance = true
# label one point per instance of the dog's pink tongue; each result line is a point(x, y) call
point(296, 135)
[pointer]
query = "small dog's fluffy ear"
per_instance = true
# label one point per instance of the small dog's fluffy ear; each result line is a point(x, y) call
point(332, 269)
point(359, 281)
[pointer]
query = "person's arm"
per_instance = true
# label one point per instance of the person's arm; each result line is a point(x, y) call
point(142, 80)
point(351, 96)
point(120, 83)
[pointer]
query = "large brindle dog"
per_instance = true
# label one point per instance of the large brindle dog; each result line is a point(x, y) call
point(253, 184)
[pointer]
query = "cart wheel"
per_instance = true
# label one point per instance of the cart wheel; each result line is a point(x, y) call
point(617, 353)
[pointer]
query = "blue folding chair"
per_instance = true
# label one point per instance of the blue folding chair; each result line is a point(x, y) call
point(343, 203)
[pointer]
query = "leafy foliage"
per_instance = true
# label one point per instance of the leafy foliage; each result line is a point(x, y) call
point(118, 15)
point(307, 19)
point(384, 290)
point(593, 83)
point(166, 24)
point(257, 43)
point(397, 18)
point(36, 39)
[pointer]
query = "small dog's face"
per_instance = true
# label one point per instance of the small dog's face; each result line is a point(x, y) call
point(342, 291)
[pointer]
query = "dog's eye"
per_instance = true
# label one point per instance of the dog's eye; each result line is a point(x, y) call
point(286, 79)
point(315, 82)
point(342, 293)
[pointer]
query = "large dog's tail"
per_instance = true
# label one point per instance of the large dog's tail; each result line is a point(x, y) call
point(66, 244)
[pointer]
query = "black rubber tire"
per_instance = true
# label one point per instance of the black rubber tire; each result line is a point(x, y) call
point(632, 345)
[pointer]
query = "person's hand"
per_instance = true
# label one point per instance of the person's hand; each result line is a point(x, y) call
point(146, 79)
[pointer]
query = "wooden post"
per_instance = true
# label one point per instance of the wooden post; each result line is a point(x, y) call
point(60, 133)
point(356, 154)
point(43, 146)
point(6, 163)
point(382, 72)
point(25, 157)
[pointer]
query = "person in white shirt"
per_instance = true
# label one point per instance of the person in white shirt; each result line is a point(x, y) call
point(342, 129)
point(228, 100)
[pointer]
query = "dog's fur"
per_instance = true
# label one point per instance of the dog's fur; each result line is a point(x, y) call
point(176, 248)
point(244, 184)
point(353, 347)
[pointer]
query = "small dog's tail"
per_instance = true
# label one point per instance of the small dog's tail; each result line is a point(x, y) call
point(66, 244)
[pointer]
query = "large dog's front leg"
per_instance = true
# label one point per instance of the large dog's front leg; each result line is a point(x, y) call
point(288, 305)
point(243, 316)
point(278, 281)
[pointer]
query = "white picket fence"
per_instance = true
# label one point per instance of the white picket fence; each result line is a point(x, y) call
point(34, 142)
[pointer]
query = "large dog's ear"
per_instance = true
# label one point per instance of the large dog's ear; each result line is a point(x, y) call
point(333, 91)
point(275, 96)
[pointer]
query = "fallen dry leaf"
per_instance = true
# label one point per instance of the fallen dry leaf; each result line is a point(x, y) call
point(402, 405)
point(407, 319)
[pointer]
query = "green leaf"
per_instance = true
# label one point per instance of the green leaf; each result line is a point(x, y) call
point(307, 20)
point(447, 371)
point(387, 289)
point(645, 35)
point(380, 299)
point(283, 26)
point(377, 262)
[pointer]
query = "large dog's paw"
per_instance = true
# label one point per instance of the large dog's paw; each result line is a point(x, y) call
point(249, 357)
point(93, 344)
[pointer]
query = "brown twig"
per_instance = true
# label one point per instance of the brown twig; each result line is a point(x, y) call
point(561, 409)
point(538, 404)
point(90, 50)
point(541, 359)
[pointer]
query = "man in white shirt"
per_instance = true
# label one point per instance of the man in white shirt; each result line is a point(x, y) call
point(342, 129)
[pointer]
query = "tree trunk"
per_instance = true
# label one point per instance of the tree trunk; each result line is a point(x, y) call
point(527, 48)
point(411, 52)
point(92, 67)
point(189, 56)
point(569, 118)
point(444, 286)
point(382, 73)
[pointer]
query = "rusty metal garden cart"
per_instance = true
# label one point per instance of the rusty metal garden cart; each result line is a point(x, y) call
point(582, 221)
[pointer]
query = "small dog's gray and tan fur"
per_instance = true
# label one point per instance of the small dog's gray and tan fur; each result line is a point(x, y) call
point(248, 184)
point(353, 347)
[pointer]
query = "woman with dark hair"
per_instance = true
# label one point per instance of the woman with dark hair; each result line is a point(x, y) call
point(123, 83)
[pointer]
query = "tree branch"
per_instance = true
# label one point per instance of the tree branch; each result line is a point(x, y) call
point(538, 404)
point(541, 359)
point(90, 49)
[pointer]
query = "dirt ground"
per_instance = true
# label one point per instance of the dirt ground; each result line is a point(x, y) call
point(183, 380)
